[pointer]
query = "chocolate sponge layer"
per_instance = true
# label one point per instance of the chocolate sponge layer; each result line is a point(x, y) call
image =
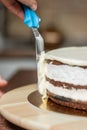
point(64, 85)
point(60, 63)
point(67, 101)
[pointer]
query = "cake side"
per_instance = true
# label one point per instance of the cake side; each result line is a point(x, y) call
point(63, 77)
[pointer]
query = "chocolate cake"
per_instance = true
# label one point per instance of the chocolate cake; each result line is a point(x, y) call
point(63, 76)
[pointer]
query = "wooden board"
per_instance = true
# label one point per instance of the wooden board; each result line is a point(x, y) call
point(16, 108)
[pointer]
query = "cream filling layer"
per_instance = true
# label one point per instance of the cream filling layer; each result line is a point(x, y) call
point(68, 74)
point(80, 94)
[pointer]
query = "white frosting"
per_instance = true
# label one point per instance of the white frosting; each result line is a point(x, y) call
point(80, 94)
point(69, 55)
point(67, 74)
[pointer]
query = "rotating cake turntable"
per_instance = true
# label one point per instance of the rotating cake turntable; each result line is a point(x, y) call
point(21, 107)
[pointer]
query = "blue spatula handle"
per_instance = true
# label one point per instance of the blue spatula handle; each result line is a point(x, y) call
point(30, 18)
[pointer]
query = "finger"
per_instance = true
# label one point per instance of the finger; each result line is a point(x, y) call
point(1, 93)
point(2, 82)
point(14, 7)
point(30, 3)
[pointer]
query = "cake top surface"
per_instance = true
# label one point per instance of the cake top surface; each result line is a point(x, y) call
point(69, 55)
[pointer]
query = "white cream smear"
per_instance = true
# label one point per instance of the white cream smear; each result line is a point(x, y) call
point(41, 74)
point(64, 73)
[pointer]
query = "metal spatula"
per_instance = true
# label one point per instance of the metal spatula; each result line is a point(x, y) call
point(32, 21)
point(39, 43)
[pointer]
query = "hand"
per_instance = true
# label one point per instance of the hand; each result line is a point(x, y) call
point(15, 7)
point(3, 83)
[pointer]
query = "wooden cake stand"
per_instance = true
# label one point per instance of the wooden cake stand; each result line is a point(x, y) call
point(15, 107)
